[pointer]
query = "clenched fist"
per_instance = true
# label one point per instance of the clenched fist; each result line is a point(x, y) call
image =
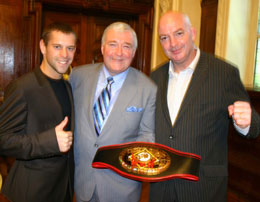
point(241, 113)
point(64, 138)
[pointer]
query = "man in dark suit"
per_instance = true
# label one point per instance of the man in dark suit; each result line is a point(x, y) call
point(36, 120)
point(129, 116)
point(197, 97)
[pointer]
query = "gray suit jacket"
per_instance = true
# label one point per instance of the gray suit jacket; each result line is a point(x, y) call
point(201, 127)
point(121, 126)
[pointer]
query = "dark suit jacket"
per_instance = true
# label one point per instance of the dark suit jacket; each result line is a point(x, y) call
point(201, 127)
point(28, 118)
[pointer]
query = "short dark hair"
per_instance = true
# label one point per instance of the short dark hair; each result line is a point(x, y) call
point(56, 26)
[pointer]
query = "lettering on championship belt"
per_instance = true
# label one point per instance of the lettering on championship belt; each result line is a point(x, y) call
point(149, 162)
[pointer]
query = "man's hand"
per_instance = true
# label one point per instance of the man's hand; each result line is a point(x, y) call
point(64, 138)
point(241, 113)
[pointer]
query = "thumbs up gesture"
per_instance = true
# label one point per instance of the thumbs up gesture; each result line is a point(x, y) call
point(64, 138)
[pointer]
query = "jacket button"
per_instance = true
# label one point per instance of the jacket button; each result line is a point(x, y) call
point(96, 145)
point(171, 137)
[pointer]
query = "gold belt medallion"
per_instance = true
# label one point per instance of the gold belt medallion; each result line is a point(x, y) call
point(144, 160)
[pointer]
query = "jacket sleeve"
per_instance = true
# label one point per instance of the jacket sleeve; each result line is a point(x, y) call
point(147, 124)
point(14, 140)
point(236, 92)
point(254, 130)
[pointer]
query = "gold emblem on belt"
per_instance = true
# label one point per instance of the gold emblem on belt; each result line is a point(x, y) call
point(144, 160)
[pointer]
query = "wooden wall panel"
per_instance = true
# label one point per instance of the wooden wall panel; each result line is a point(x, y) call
point(19, 22)
point(10, 41)
point(209, 10)
point(31, 36)
point(145, 27)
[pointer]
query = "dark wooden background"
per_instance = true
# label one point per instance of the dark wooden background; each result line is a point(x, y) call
point(21, 23)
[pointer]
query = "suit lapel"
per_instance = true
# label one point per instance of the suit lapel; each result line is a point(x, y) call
point(164, 94)
point(127, 93)
point(199, 75)
point(164, 85)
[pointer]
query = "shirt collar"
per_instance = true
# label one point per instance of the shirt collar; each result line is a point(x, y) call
point(191, 67)
point(117, 78)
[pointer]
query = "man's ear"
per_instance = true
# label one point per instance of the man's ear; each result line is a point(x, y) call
point(134, 53)
point(102, 49)
point(42, 47)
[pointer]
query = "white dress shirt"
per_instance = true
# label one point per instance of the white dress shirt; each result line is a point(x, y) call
point(177, 86)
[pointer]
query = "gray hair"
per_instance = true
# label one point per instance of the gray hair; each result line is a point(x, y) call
point(187, 20)
point(120, 27)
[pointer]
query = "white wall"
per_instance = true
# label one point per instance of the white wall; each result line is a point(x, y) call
point(236, 35)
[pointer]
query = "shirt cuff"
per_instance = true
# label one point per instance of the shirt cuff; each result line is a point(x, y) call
point(243, 131)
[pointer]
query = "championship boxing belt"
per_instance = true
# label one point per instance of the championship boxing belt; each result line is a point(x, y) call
point(148, 162)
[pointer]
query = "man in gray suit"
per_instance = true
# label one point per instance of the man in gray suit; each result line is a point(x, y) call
point(129, 117)
point(197, 94)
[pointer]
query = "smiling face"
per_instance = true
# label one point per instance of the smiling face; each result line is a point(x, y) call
point(58, 54)
point(177, 39)
point(118, 51)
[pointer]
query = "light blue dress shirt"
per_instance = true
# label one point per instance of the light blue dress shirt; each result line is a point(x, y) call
point(115, 87)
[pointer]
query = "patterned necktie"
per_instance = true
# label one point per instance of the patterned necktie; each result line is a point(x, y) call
point(101, 105)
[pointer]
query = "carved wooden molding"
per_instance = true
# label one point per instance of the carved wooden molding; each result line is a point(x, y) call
point(29, 6)
point(101, 4)
point(165, 5)
point(119, 6)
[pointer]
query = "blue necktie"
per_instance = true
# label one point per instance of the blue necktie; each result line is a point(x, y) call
point(101, 105)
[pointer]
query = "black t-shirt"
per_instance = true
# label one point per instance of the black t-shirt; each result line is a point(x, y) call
point(60, 90)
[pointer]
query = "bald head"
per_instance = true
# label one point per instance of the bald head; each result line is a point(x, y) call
point(177, 38)
point(174, 17)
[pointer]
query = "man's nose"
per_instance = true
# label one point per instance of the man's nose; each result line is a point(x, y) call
point(173, 41)
point(64, 52)
point(119, 50)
